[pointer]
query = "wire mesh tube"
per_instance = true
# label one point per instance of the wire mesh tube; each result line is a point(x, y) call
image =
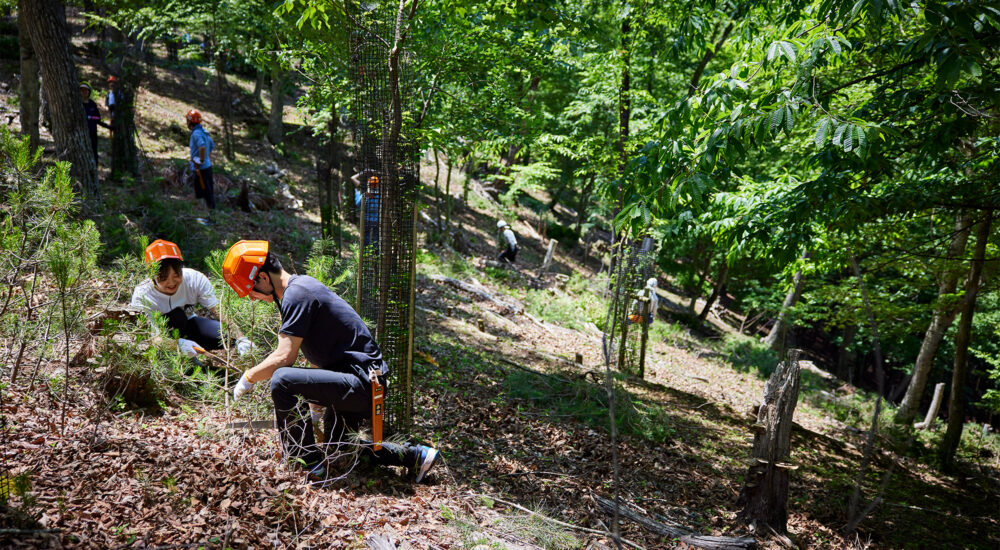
point(386, 166)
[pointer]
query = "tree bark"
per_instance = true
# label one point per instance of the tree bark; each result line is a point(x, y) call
point(226, 107)
point(258, 86)
point(932, 411)
point(944, 315)
point(275, 124)
point(956, 404)
point(765, 494)
point(30, 100)
point(124, 153)
point(775, 338)
point(50, 41)
point(717, 290)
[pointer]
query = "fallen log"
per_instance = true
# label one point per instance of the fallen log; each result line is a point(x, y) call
point(505, 306)
point(683, 534)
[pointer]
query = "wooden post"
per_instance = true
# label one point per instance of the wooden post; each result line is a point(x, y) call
point(934, 408)
point(644, 319)
point(548, 255)
point(482, 325)
point(765, 494)
point(449, 311)
point(579, 358)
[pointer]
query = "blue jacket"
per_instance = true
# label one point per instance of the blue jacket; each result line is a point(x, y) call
point(200, 138)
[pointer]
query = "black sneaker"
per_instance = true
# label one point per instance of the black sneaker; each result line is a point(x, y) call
point(425, 461)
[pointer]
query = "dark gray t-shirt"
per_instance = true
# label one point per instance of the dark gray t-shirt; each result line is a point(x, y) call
point(333, 335)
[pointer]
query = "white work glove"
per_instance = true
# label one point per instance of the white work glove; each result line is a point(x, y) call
point(186, 347)
point(244, 346)
point(242, 387)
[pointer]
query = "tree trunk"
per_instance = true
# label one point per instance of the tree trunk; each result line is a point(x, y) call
point(717, 290)
point(447, 195)
point(765, 494)
point(258, 86)
point(437, 190)
point(932, 411)
point(226, 107)
point(124, 154)
point(275, 124)
point(775, 338)
point(29, 84)
point(956, 404)
point(944, 315)
point(324, 177)
point(50, 41)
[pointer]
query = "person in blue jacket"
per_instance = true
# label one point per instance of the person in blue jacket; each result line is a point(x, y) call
point(201, 146)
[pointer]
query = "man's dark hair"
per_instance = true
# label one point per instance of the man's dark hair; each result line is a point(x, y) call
point(271, 264)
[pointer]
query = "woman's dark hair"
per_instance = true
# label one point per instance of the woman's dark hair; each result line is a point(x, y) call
point(271, 264)
point(167, 265)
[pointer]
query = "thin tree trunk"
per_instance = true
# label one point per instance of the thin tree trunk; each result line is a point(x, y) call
point(437, 188)
point(29, 84)
point(956, 404)
point(447, 195)
point(324, 175)
point(226, 110)
point(775, 338)
point(258, 86)
point(50, 41)
point(944, 315)
point(275, 124)
point(720, 285)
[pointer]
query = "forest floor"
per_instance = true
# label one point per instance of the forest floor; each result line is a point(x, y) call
point(518, 421)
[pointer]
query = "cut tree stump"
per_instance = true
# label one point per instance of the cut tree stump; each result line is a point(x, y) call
point(765, 494)
point(681, 533)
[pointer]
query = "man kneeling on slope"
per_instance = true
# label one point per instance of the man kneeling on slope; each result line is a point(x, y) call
point(332, 338)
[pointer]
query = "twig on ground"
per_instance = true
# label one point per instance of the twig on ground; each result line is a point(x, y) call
point(563, 523)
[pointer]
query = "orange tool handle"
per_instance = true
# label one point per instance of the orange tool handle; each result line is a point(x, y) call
point(378, 400)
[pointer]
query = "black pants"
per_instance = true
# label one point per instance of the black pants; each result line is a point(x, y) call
point(348, 401)
point(509, 254)
point(204, 187)
point(206, 332)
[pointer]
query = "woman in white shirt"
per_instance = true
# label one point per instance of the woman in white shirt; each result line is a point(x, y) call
point(174, 292)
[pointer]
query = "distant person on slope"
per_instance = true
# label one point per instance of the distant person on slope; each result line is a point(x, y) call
point(367, 203)
point(349, 368)
point(507, 243)
point(93, 114)
point(201, 147)
point(646, 296)
point(113, 98)
point(174, 292)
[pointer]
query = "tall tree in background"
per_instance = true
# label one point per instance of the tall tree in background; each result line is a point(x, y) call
point(30, 100)
point(275, 123)
point(944, 314)
point(50, 40)
point(960, 370)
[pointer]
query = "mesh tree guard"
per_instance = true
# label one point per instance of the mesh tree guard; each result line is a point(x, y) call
point(629, 323)
point(386, 156)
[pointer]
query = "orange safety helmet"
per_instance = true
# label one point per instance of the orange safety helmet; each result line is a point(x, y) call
point(373, 181)
point(242, 264)
point(193, 117)
point(112, 78)
point(161, 250)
